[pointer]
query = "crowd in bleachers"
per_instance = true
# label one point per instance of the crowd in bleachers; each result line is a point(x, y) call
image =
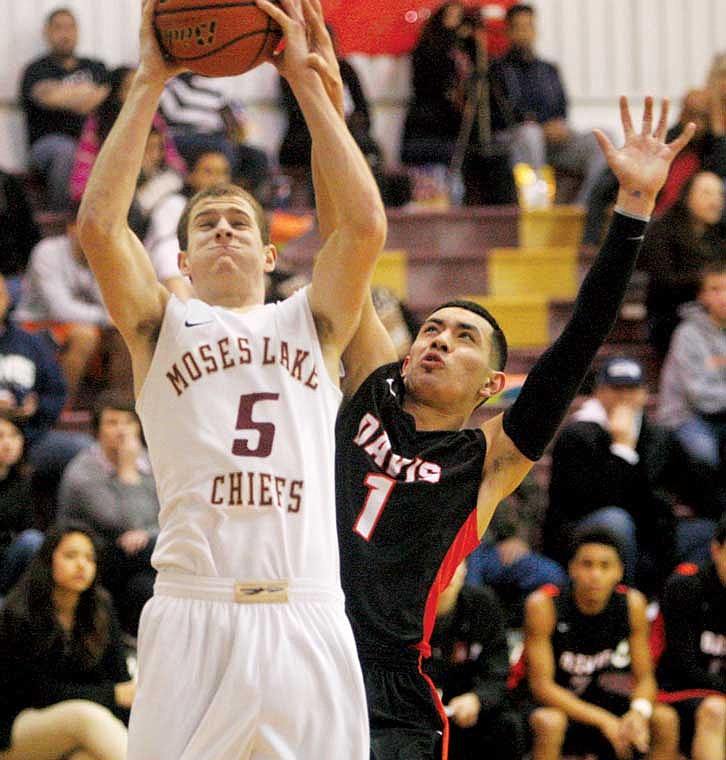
point(634, 488)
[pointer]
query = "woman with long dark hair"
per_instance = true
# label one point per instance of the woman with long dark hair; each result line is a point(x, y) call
point(63, 676)
point(676, 247)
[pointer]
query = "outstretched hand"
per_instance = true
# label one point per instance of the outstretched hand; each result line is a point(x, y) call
point(322, 56)
point(642, 163)
point(152, 59)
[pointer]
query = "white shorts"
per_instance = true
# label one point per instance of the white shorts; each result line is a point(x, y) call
point(221, 680)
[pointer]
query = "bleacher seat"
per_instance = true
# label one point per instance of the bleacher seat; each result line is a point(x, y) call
point(556, 225)
point(547, 271)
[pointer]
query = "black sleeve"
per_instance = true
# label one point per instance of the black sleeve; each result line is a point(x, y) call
point(554, 380)
point(681, 607)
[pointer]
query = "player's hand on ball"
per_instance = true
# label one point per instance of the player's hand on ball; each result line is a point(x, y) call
point(152, 62)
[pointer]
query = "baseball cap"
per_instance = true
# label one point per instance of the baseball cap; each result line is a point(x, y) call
point(621, 372)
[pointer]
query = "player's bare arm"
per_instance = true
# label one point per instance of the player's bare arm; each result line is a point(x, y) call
point(540, 618)
point(518, 437)
point(344, 266)
point(134, 297)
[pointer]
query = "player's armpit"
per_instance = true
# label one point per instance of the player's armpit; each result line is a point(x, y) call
point(504, 469)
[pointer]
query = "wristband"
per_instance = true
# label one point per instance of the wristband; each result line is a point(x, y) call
point(642, 706)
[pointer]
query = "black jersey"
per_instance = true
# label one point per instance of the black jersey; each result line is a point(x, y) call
point(694, 612)
point(590, 649)
point(406, 506)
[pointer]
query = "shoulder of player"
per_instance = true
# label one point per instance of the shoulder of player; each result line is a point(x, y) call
point(539, 608)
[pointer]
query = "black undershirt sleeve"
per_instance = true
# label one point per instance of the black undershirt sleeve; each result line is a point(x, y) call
point(554, 380)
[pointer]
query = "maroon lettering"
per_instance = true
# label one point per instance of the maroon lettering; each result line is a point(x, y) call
point(191, 366)
point(312, 381)
point(280, 490)
point(235, 489)
point(295, 496)
point(177, 380)
point(217, 482)
point(284, 355)
point(245, 355)
point(251, 501)
point(300, 356)
point(265, 492)
point(227, 361)
point(210, 363)
point(268, 358)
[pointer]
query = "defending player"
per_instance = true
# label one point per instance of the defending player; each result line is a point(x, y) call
point(245, 650)
point(415, 492)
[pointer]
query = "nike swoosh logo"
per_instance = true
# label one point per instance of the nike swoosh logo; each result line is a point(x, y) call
point(639, 237)
point(196, 324)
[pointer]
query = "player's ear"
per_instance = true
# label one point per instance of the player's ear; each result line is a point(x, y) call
point(494, 384)
point(405, 365)
point(270, 257)
point(182, 260)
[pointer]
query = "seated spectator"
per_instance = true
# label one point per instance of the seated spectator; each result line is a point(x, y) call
point(505, 559)
point(63, 675)
point(207, 168)
point(33, 392)
point(57, 91)
point(529, 109)
point(692, 397)
point(588, 665)
point(676, 247)
point(296, 145)
point(612, 468)
point(18, 232)
point(19, 540)
point(109, 486)
point(469, 665)
point(441, 65)
point(61, 297)
point(97, 126)
point(705, 152)
point(692, 667)
point(202, 118)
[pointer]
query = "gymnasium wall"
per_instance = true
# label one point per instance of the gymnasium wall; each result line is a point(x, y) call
point(603, 47)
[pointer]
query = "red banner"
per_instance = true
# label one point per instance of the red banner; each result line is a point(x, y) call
point(391, 27)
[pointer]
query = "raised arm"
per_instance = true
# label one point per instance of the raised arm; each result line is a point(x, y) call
point(133, 296)
point(352, 216)
point(519, 437)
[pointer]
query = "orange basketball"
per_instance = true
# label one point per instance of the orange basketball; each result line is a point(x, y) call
point(216, 38)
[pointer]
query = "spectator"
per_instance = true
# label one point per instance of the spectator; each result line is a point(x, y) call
point(529, 109)
point(109, 486)
point(582, 644)
point(442, 63)
point(676, 247)
point(57, 92)
point(469, 664)
point(61, 296)
point(202, 118)
point(62, 670)
point(295, 147)
point(612, 468)
point(692, 668)
point(19, 540)
point(716, 88)
point(692, 398)
point(98, 124)
point(33, 392)
point(705, 152)
point(207, 168)
point(18, 232)
point(505, 558)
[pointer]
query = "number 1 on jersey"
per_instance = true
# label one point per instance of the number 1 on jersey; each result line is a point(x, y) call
point(379, 491)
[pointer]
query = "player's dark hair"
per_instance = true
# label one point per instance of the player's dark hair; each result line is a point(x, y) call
point(596, 536)
point(499, 341)
point(50, 18)
point(516, 10)
point(110, 399)
point(221, 191)
point(719, 534)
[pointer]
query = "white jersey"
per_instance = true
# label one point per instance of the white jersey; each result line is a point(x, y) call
point(239, 412)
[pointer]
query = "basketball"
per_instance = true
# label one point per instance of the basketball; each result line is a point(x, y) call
point(216, 38)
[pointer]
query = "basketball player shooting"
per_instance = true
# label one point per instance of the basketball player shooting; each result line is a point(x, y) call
point(244, 650)
point(416, 492)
